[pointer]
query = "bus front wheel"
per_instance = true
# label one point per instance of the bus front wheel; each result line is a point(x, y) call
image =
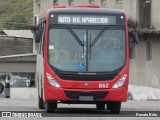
point(51, 106)
point(114, 107)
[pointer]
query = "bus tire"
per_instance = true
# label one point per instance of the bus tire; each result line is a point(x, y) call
point(51, 106)
point(114, 107)
point(40, 103)
point(107, 106)
point(100, 106)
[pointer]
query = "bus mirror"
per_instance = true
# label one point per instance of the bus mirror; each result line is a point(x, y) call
point(135, 37)
point(36, 34)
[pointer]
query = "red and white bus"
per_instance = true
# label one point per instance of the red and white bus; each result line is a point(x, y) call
point(83, 57)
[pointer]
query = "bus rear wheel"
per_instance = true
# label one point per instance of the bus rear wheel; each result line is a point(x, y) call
point(100, 106)
point(114, 107)
point(51, 106)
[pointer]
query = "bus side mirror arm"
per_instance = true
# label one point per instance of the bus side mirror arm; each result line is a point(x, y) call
point(134, 33)
point(135, 37)
point(35, 31)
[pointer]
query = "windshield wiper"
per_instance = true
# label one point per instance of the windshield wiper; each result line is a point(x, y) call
point(98, 36)
point(74, 35)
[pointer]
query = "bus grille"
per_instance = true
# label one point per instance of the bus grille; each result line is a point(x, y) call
point(87, 77)
point(77, 94)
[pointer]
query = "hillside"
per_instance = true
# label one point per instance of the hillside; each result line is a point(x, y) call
point(11, 8)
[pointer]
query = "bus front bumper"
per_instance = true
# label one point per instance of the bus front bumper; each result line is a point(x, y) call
point(62, 94)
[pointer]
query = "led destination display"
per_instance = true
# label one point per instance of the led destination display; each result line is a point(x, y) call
point(84, 19)
point(89, 20)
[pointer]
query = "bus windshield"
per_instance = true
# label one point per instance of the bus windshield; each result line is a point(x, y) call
point(87, 49)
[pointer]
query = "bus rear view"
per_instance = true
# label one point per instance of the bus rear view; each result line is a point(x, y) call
point(83, 58)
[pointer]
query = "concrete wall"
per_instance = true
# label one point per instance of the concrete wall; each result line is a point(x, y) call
point(11, 46)
point(132, 10)
point(48, 4)
point(24, 93)
point(17, 67)
point(155, 14)
point(143, 72)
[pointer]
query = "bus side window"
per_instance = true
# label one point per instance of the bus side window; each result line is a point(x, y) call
point(42, 34)
point(43, 38)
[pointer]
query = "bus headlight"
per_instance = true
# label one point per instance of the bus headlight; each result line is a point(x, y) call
point(120, 82)
point(52, 81)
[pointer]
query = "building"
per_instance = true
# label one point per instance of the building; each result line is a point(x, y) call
point(18, 62)
point(145, 57)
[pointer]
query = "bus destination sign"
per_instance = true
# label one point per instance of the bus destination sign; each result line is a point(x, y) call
point(85, 20)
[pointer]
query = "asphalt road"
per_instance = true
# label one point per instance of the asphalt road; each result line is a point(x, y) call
point(129, 109)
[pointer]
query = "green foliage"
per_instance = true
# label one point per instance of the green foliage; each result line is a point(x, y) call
point(19, 18)
point(17, 22)
point(15, 11)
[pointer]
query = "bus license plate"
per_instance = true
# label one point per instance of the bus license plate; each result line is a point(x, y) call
point(86, 98)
